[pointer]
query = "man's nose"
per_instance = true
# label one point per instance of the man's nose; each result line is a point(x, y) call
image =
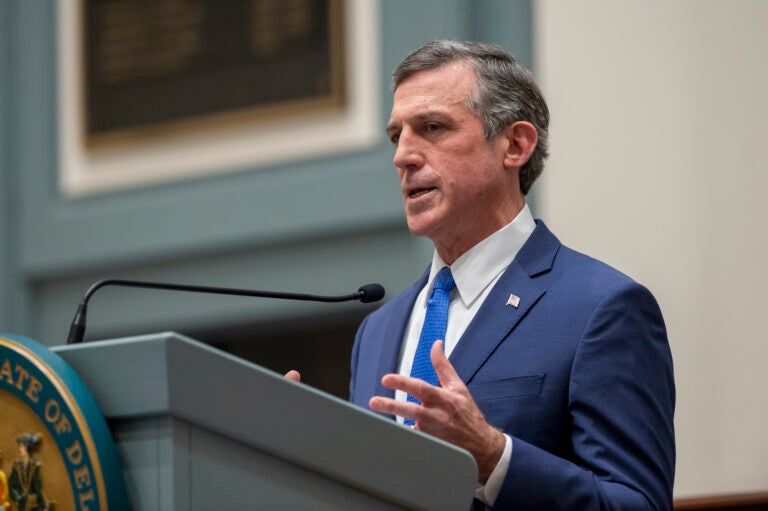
point(409, 154)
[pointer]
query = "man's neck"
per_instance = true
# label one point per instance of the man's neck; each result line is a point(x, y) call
point(453, 248)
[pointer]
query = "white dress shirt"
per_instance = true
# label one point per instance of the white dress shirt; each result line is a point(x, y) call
point(475, 274)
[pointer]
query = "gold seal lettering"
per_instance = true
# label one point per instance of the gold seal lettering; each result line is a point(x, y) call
point(33, 388)
point(82, 477)
point(23, 375)
point(75, 453)
point(85, 497)
point(53, 414)
point(52, 410)
point(63, 425)
point(5, 372)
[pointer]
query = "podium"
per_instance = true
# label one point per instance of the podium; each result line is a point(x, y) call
point(199, 429)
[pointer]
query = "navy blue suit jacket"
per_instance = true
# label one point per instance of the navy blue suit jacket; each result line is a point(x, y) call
point(579, 375)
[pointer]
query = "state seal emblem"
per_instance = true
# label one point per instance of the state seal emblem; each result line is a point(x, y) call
point(56, 451)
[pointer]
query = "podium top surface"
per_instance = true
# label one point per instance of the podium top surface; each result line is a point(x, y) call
point(169, 374)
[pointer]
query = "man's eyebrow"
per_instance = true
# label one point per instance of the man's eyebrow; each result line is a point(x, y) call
point(431, 115)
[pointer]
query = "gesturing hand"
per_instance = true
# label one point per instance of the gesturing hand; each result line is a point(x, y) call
point(447, 412)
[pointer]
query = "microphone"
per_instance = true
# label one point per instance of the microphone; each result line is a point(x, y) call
point(366, 294)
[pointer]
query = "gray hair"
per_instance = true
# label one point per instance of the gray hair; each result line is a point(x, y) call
point(505, 93)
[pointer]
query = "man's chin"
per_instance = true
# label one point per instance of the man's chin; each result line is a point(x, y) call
point(418, 228)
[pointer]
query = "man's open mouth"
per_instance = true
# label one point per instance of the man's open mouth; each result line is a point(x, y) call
point(419, 192)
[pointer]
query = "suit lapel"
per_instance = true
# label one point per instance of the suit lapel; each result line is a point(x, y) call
point(396, 325)
point(496, 319)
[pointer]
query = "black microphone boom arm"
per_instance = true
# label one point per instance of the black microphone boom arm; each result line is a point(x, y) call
point(366, 294)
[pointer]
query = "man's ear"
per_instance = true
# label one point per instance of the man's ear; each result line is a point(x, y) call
point(521, 141)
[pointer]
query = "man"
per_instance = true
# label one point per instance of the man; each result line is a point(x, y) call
point(558, 377)
point(25, 483)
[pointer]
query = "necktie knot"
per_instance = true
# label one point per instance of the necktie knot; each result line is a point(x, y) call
point(444, 280)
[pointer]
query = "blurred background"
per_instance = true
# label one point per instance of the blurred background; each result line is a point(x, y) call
point(241, 144)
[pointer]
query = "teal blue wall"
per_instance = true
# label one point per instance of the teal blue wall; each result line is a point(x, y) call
point(326, 225)
point(13, 293)
point(5, 210)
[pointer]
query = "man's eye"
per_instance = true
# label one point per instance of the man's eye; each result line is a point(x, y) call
point(394, 138)
point(433, 126)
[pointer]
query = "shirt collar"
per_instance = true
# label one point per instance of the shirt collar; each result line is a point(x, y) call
point(481, 264)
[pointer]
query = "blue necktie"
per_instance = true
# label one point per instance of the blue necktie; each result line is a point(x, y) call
point(434, 328)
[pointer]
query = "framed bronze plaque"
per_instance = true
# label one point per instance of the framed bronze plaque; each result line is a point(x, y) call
point(154, 66)
point(155, 91)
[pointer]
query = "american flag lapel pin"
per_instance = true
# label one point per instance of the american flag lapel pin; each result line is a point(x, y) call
point(513, 300)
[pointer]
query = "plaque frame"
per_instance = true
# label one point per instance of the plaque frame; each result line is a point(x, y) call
point(223, 143)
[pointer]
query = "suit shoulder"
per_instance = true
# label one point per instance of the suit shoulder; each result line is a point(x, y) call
point(590, 275)
point(545, 255)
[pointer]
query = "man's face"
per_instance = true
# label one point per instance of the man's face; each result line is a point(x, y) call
point(456, 189)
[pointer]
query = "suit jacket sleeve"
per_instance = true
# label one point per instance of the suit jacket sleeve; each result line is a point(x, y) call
point(620, 403)
point(354, 360)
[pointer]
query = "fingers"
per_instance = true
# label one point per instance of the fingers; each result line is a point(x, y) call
point(423, 391)
point(446, 374)
point(388, 405)
point(447, 412)
point(293, 375)
point(415, 387)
